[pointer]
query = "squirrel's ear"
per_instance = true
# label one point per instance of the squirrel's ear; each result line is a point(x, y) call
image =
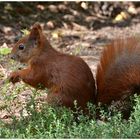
point(35, 31)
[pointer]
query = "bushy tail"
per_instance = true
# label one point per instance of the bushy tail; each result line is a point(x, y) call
point(114, 73)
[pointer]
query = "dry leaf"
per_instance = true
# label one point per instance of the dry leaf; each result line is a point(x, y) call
point(121, 17)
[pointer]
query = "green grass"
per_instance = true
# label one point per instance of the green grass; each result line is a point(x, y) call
point(59, 122)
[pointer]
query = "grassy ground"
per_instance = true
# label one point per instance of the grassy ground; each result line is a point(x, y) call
point(54, 122)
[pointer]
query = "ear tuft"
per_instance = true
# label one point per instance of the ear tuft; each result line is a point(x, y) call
point(37, 26)
point(35, 31)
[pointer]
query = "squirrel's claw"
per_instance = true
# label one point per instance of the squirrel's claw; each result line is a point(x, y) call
point(14, 77)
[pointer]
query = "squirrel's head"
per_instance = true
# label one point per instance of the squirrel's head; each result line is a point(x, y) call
point(30, 45)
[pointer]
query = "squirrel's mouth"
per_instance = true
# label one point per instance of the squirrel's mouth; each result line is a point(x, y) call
point(23, 61)
point(22, 66)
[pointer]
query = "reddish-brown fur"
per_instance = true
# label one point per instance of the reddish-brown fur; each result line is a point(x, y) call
point(67, 77)
point(118, 73)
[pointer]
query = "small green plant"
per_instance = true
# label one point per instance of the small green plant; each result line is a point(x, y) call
point(5, 50)
point(77, 50)
point(25, 32)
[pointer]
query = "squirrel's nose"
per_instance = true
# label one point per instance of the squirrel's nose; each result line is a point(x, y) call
point(13, 57)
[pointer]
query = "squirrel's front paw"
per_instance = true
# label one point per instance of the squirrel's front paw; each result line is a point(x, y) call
point(14, 77)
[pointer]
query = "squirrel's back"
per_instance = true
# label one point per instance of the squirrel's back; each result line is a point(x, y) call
point(118, 73)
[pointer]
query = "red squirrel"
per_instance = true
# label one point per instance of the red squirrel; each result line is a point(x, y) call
point(67, 77)
point(118, 73)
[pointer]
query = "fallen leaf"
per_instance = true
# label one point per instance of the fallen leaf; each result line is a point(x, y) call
point(121, 17)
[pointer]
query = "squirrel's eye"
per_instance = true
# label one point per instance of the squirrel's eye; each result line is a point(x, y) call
point(21, 47)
